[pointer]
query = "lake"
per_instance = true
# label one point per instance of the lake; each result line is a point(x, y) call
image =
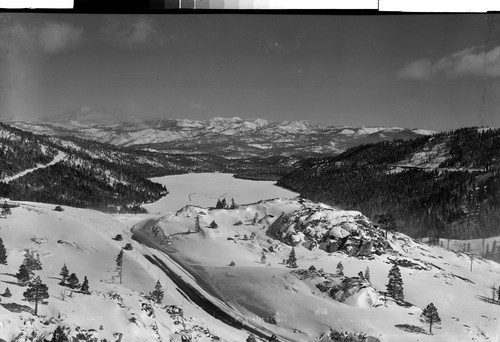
point(203, 189)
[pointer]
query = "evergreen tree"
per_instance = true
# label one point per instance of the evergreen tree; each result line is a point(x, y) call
point(360, 274)
point(386, 222)
point(213, 225)
point(223, 204)
point(498, 293)
point(273, 338)
point(493, 292)
point(430, 316)
point(32, 260)
point(292, 260)
point(157, 294)
point(251, 338)
point(219, 204)
point(263, 258)
point(64, 274)
point(7, 293)
point(37, 291)
point(233, 205)
point(119, 264)
point(340, 268)
point(3, 253)
point(59, 335)
point(85, 286)
point(6, 209)
point(255, 219)
point(395, 285)
point(232, 263)
point(73, 281)
point(367, 273)
point(24, 275)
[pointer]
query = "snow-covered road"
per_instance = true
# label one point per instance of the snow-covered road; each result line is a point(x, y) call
point(60, 156)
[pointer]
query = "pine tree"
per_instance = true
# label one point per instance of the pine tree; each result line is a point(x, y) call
point(3, 253)
point(263, 258)
point(37, 291)
point(360, 274)
point(6, 209)
point(395, 285)
point(498, 294)
point(32, 260)
point(493, 292)
point(223, 204)
point(219, 204)
point(292, 260)
point(251, 338)
point(233, 205)
point(59, 335)
point(85, 286)
point(213, 225)
point(119, 264)
point(157, 294)
point(73, 281)
point(24, 275)
point(255, 219)
point(64, 274)
point(386, 222)
point(340, 268)
point(7, 293)
point(430, 316)
point(273, 338)
point(367, 273)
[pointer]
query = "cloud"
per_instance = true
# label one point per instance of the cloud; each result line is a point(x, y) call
point(130, 30)
point(55, 37)
point(49, 37)
point(474, 61)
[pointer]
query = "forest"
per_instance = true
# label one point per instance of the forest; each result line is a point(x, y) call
point(458, 199)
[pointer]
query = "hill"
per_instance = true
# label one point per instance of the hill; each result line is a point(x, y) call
point(446, 185)
point(82, 174)
point(220, 302)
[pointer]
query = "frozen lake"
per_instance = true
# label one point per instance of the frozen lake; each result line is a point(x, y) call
point(203, 189)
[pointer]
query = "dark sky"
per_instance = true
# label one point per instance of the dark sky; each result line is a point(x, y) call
point(418, 71)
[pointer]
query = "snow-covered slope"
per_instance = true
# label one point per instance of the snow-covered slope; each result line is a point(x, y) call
point(227, 303)
point(293, 306)
point(82, 239)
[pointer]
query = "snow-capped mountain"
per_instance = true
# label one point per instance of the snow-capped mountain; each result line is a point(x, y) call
point(230, 137)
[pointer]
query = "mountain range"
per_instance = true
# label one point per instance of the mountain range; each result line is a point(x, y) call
point(225, 137)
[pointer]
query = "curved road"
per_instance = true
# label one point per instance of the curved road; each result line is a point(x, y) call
point(197, 298)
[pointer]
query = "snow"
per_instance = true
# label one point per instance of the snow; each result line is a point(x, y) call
point(249, 291)
point(261, 146)
point(203, 189)
point(423, 131)
point(82, 239)
point(369, 130)
point(259, 291)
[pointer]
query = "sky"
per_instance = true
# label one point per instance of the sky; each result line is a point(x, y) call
point(436, 72)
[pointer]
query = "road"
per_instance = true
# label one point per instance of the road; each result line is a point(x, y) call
point(197, 298)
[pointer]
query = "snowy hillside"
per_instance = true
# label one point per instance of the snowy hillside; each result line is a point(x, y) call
point(301, 305)
point(82, 239)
